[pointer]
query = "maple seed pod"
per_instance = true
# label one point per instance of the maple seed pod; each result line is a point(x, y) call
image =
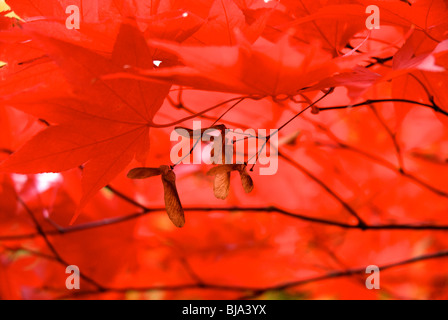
point(246, 180)
point(196, 134)
point(143, 173)
point(221, 183)
point(172, 201)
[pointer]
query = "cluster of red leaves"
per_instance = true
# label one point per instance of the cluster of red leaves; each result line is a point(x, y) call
point(362, 173)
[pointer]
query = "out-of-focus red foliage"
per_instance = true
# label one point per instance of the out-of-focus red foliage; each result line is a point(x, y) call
point(362, 174)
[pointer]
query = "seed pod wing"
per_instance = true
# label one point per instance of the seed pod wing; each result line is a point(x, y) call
point(221, 185)
point(246, 180)
point(172, 202)
point(196, 134)
point(143, 173)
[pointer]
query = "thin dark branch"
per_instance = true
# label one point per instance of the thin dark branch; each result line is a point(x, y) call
point(7, 151)
point(50, 246)
point(361, 222)
point(392, 136)
point(125, 197)
point(432, 106)
point(255, 292)
point(118, 220)
point(349, 272)
point(374, 158)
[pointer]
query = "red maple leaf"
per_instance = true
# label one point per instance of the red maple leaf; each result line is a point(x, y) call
point(101, 124)
point(260, 69)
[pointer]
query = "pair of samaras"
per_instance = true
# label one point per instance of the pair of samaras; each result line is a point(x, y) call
point(221, 185)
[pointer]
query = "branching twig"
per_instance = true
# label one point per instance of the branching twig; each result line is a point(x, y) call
point(272, 209)
point(254, 291)
point(432, 106)
point(50, 246)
